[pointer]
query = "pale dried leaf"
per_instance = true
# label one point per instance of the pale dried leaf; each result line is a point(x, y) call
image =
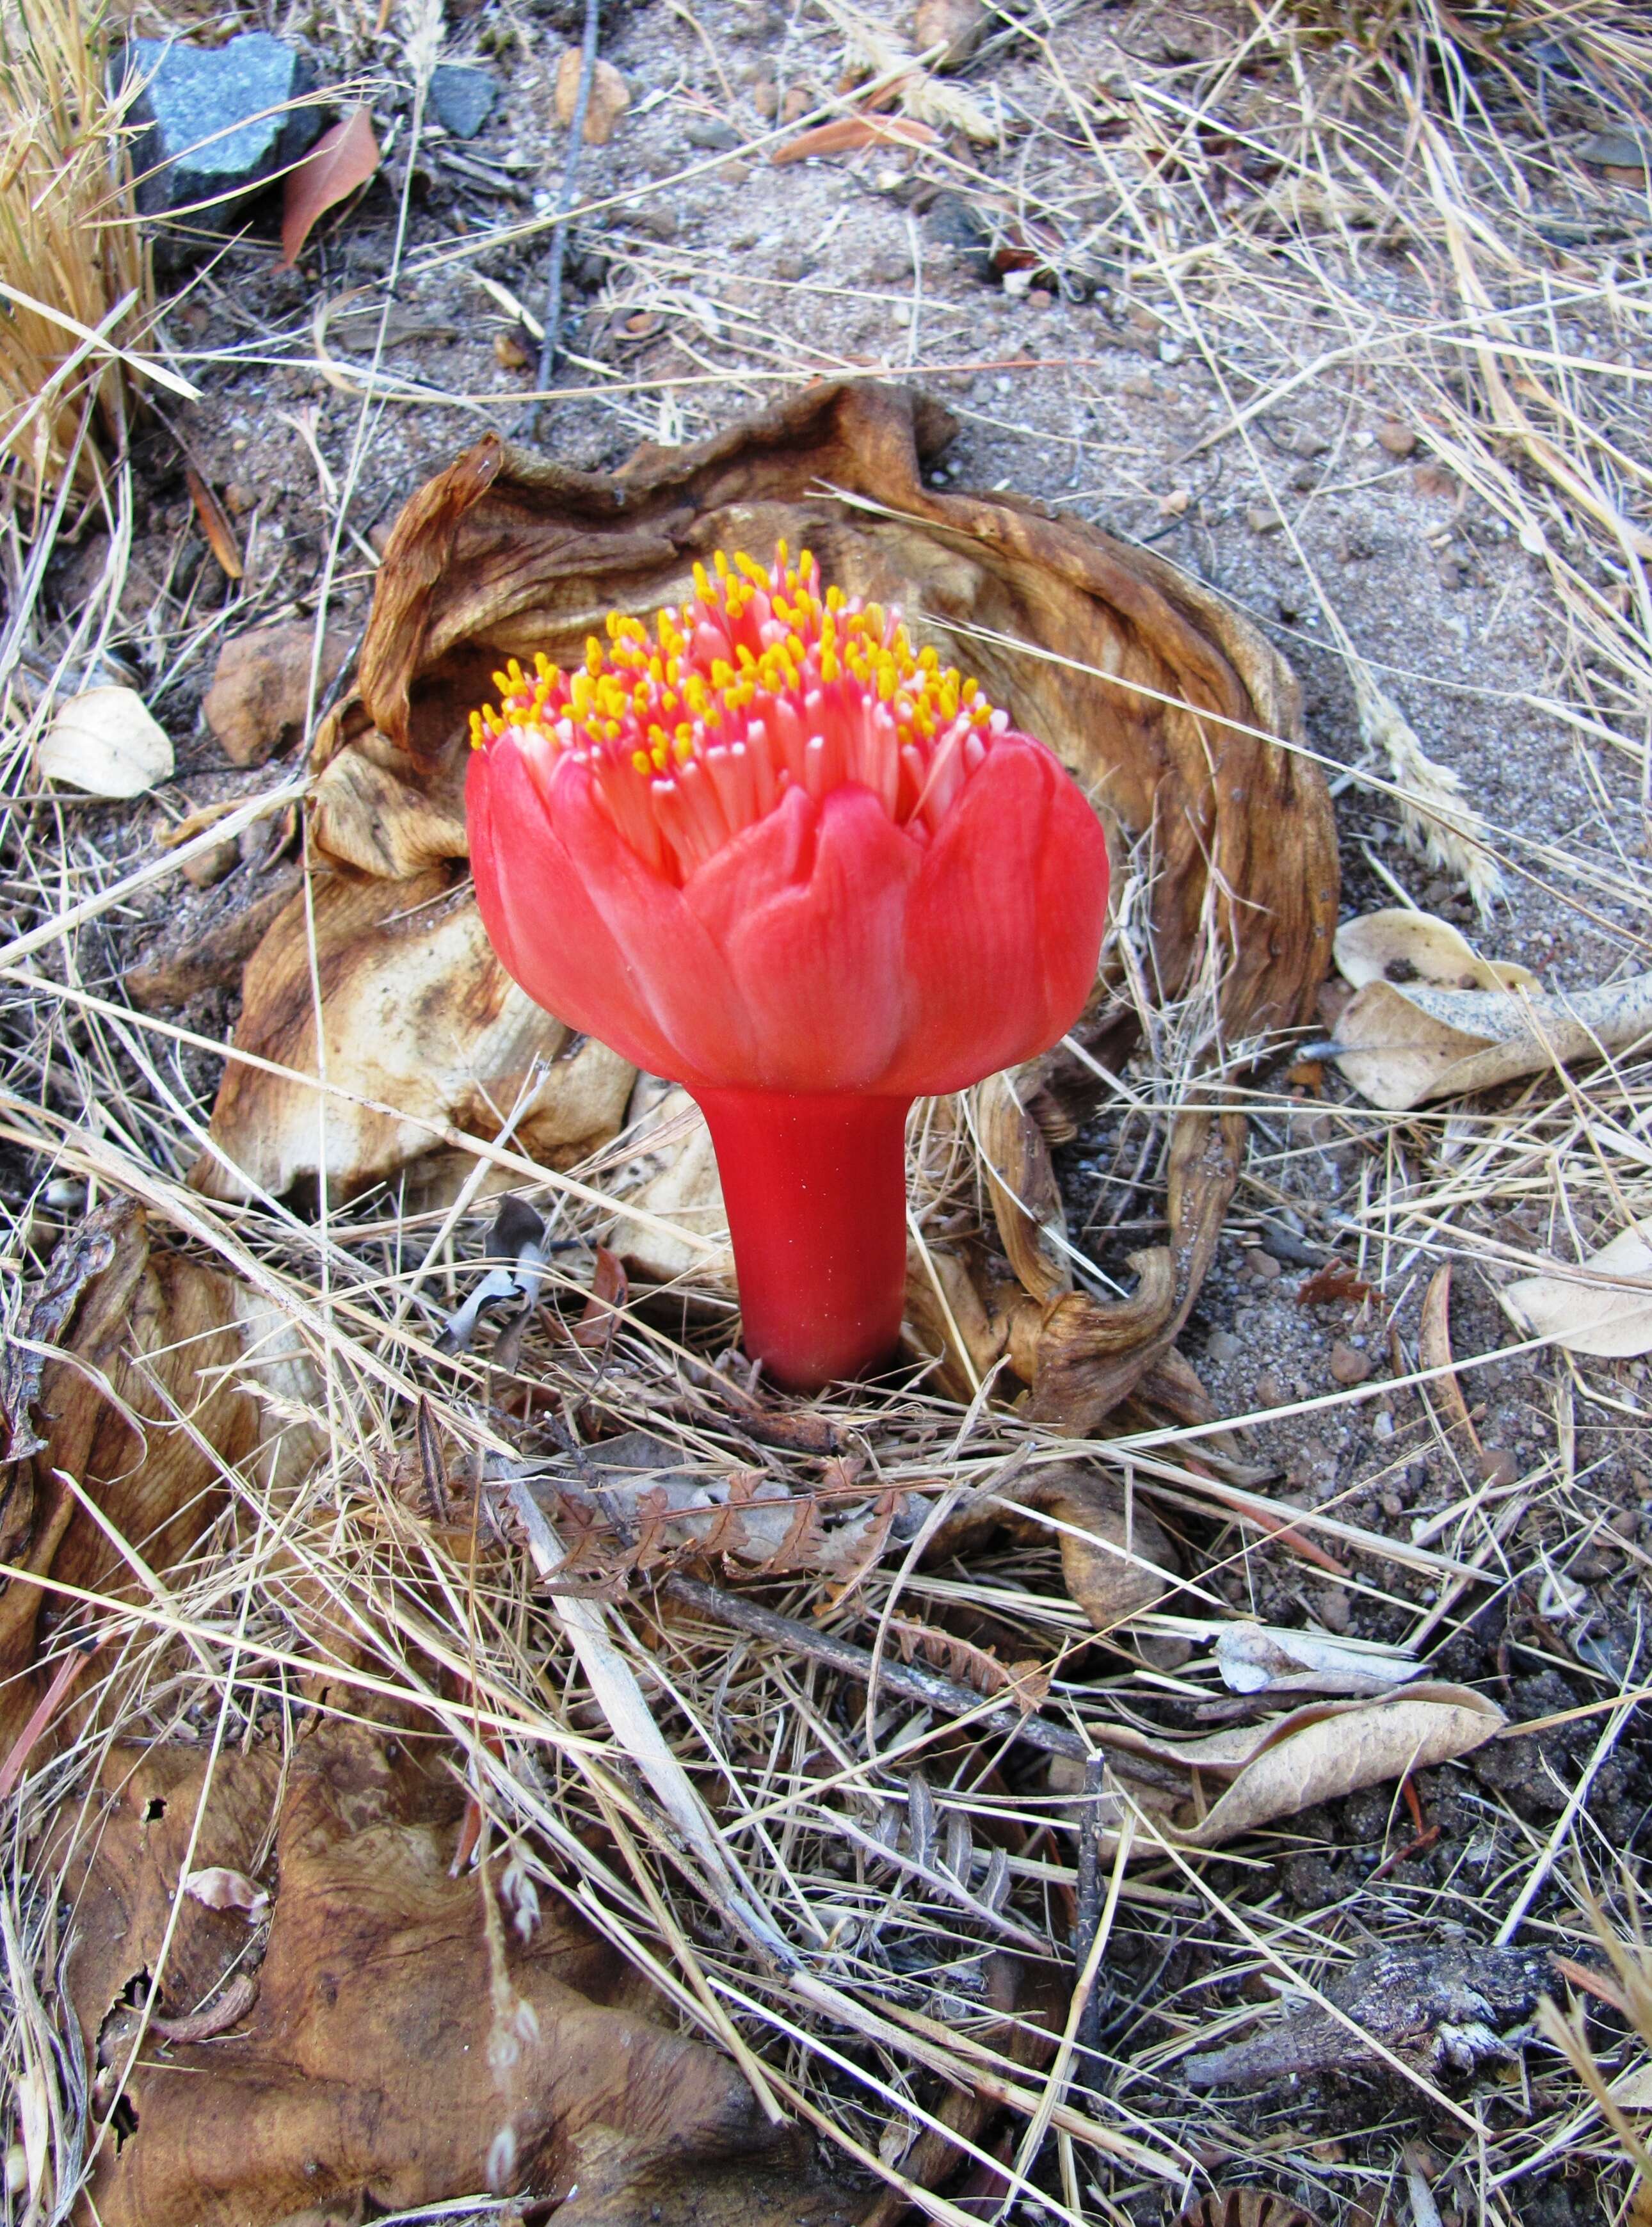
point(1321, 1754)
point(1603, 1307)
point(1256, 1658)
point(218, 1887)
point(106, 742)
point(1400, 1047)
point(342, 159)
point(1403, 946)
point(422, 1025)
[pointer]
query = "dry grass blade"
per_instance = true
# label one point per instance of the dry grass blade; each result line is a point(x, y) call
point(70, 252)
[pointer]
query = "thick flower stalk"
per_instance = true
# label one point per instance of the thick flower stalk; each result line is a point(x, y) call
point(774, 851)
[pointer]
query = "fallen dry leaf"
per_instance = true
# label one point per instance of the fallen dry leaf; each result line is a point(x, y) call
point(106, 742)
point(1602, 1307)
point(1258, 1658)
point(1321, 1753)
point(1157, 701)
point(1026, 1198)
point(342, 159)
point(422, 1026)
point(1118, 1562)
point(845, 133)
point(1245, 2207)
point(218, 1887)
point(1334, 1285)
point(381, 2063)
point(1401, 1046)
point(214, 524)
point(1317, 1753)
point(161, 1331)
point(611, 97)
point(1402, 947)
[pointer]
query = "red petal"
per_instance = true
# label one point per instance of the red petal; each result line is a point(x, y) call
point(819, 963)
point(1005, 922)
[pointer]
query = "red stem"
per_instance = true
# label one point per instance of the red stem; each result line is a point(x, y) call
point(815, 1186)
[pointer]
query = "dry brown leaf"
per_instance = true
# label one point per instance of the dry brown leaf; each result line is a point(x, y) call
point(1403, 946)
point(1316, 1753)
point(219, 1887)
point(1319, 1754)
point(378, 2063)
point(1245, 2207)
point(421, 1023)
point(160, 1331)
point(1118, 1560)
point(1158, 697)
point(672, 1174)
point(214, 524)
point(1434, 1352)
point(845, 133)
point(342, 158)
point(1026, 1198)
point(1334, 1285)
point(1602, 1307)
point(1400, 1047)
point(106, 742)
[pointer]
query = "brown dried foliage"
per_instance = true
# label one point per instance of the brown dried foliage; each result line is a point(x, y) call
point(404, 2043)
point(1162, 702)
point(131, 1401)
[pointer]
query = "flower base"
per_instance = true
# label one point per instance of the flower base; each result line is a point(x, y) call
point(815, 1187)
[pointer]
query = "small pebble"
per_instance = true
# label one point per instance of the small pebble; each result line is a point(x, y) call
point(1334, 1606)
point(1397, 438)
point(1348, 1364)
point(1040, 297)
point(1270, 1393)
point(1262, 1264)
point(1223, 1347)
point(716, 139)
point(1393, 1506)
point(796, 102)
point(765, 98)
point(1261, 520)
point(1498, 1465)
point(1139, 387)
point(1382, 1423)
point(209, 866)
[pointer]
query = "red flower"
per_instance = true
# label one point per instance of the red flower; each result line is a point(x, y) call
point(781, 856)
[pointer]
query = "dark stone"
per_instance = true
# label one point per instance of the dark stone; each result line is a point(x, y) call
point(463, 98)
point(717, 138)
point(216, 122)
point(1615, 151)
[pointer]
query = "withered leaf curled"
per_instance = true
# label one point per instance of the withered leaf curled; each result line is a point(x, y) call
point(1179, 719)
point(364, 2070)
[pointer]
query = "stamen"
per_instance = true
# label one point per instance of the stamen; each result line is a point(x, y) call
point(761, 681)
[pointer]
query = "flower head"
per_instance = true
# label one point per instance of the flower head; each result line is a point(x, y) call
point(772, 844)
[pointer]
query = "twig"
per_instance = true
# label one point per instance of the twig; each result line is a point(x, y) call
point(550, 347)
point(927, 1687)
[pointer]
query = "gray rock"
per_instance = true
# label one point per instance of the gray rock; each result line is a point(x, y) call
point(717, 138)
point(215, 122)
point(463, 98)
point(1616, 150)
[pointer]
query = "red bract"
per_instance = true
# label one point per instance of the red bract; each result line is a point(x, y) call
point(779, 855)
